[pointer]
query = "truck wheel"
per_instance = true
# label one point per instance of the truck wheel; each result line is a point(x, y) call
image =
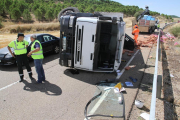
point(56, 49)
point(68, 10)
point(150, 30)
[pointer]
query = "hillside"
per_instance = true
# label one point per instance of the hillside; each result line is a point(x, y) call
point(174, 16)
point(21, 10)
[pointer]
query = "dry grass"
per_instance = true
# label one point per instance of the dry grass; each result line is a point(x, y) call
point(129, 21)
point(176, 19)
point(30, 27)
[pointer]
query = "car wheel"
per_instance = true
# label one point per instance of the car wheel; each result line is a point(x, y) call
point(56, 49)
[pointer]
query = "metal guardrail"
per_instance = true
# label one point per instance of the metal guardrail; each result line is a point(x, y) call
point(155, 79)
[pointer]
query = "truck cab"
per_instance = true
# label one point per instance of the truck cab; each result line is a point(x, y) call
point(91, 43)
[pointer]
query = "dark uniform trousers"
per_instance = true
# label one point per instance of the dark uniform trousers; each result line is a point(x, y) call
point(23, 60)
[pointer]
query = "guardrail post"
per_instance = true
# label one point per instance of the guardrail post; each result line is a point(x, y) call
point(159, 86)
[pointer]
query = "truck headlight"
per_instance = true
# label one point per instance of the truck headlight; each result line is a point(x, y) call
point(64, 43)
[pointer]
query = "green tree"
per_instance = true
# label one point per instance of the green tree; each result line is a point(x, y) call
point(27, 15)
point(38, 14)
point(49, 14)
point(1, 7)
point(15, 13)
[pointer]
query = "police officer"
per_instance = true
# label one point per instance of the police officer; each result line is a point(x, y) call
point(37, 54)
point(20, 51)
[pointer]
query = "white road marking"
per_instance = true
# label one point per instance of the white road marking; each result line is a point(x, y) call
point(8, 86)
point(93, 110)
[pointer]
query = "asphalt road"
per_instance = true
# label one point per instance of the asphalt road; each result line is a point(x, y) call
point(64, 95)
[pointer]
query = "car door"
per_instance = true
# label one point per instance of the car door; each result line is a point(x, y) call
point(41, 40)
point(120, 44)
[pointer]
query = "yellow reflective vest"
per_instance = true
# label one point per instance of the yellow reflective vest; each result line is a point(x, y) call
point(39, 54)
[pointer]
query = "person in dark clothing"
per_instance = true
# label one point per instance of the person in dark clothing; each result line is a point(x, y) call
point(20, 53)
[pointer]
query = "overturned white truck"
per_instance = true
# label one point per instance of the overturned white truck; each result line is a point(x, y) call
point(92, 42)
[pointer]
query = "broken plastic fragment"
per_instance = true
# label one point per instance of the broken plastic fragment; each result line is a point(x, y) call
point(120, 100)
point(145, 116)
point(171, 75)
point(122, 89)
point(116, 90)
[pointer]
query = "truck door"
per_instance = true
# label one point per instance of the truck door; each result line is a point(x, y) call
point(120, 44)
point(84, 45)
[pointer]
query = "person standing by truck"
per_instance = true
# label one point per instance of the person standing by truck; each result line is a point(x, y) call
point(37, 54)
point(158, 26)
point(136, 34)
point(20, 51)
point(134, 27)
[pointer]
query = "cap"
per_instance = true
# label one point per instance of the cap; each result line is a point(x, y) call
point(136, 27)
point(33, 36)
point(20, 34)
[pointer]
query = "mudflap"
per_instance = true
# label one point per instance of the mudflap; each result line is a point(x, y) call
point(129, 43)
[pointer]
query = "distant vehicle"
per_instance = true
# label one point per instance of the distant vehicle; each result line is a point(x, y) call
point(146, 23)
point(49, 43)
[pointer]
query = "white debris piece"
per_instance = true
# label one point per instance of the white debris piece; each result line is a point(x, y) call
point(145, 116)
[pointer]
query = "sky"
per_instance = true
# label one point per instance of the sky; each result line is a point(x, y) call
point(169, 7)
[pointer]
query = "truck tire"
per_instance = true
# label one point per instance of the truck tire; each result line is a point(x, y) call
point(150, 31)
point(68, 9)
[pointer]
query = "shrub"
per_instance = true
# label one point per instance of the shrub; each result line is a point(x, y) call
point(1, 25)
point(175, 31)
point(27, 15)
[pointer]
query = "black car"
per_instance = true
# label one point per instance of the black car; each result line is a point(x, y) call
point(49, 43)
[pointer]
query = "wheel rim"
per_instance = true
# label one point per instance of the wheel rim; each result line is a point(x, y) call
point(67, 11)
point(56, 49)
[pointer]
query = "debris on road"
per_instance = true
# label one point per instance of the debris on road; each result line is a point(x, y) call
point(171, 75)
point(116, 90)
point(127, 68)
point(123, 60)
point(133, 79)
point(139, 104)
point(120, 100)
point(119, 86)
point(150, 57)
point(176, 43)
point(145, 116)
point(122, 89)
point(129, 84)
